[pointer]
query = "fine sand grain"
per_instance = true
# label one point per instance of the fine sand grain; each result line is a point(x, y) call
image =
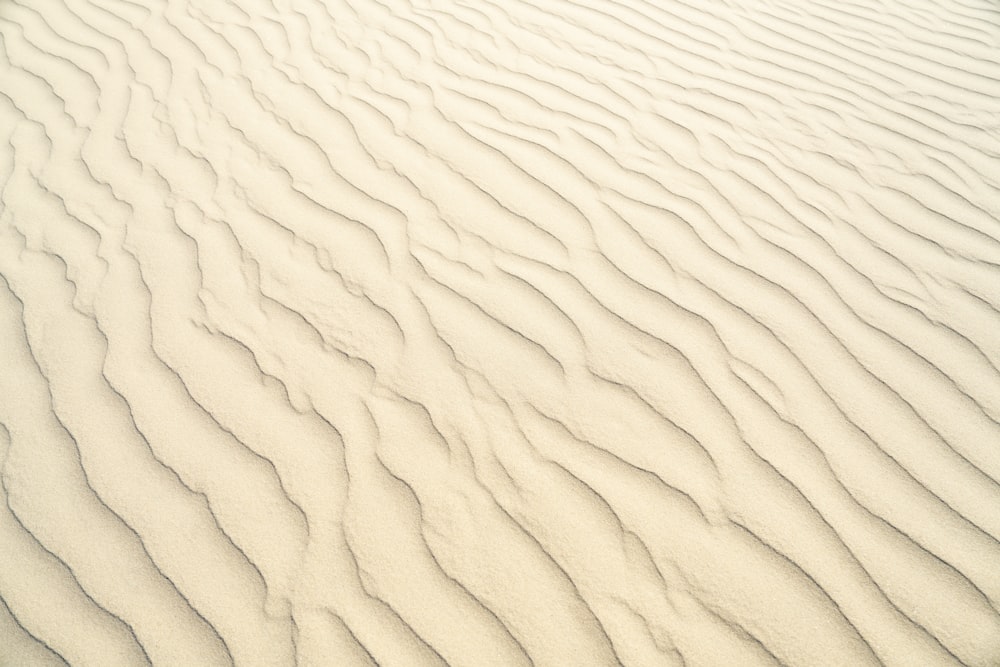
point(500, 332)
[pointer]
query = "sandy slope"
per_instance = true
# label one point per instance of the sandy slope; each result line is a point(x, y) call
point(489, 332)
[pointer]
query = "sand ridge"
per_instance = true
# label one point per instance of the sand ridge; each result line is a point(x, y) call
point(469, 332)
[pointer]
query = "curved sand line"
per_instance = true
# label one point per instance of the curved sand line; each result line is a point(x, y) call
point(562, 332)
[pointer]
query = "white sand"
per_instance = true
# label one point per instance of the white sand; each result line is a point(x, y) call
point(500, 332)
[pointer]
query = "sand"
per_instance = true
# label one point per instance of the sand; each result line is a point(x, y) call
point(489, 332)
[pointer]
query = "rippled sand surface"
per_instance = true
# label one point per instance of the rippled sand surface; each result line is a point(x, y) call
point(499, 332)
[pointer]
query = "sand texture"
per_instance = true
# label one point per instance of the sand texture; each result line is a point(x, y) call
point(500, 332)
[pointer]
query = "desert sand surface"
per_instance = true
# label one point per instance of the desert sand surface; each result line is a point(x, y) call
point(500, 332)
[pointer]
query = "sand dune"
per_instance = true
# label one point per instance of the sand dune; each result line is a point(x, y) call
point(483, 332)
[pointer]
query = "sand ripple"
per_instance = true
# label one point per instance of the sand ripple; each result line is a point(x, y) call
point(487, 332)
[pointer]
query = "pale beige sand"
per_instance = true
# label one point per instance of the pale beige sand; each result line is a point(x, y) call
point(500, 332)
